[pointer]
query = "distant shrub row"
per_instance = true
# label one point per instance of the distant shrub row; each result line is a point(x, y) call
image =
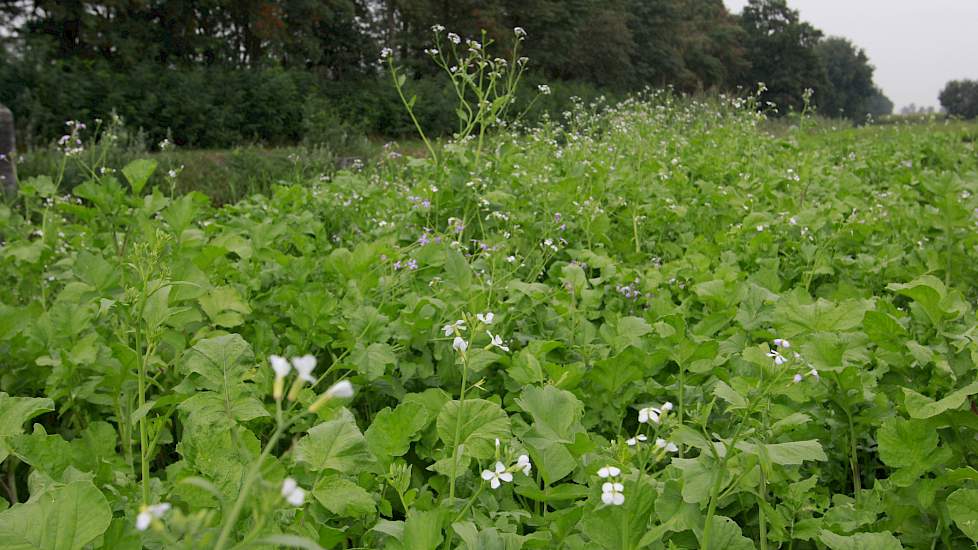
point(221, 107)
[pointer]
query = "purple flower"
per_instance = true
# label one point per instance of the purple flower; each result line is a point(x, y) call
point(423, 239)
point(397, 265)
point(412, 264)
point(557, 217)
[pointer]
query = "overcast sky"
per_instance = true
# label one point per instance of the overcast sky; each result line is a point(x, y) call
point(916, 45)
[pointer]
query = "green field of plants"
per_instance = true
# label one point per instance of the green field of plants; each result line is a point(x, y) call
point(662, 324)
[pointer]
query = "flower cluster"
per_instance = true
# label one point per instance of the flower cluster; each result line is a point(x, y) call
point(653, 415)
point(612, 491)
point(303, 366)
point(500, 473)
point(148, 514)
point(457, 328)
point(292, 493)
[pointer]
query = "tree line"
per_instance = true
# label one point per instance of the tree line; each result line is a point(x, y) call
point(211, 73)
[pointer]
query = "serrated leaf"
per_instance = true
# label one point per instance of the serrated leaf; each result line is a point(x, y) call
point(14, 412)
point(963, 507)
point(391, 432)
point(860, 541)
point(138, 172)
point(222, 362)
point(793, 453)
point(65, 518)
point(481, 422)
point(343, 497)
point(334, 445)
point(556, 413)
point(920, 406)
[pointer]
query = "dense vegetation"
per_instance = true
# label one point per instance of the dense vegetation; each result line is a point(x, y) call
point(217, 73)
point(960, 98)
point(654, 325)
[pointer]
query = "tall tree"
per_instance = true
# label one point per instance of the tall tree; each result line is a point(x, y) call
point(850, 78)
point(782, 53)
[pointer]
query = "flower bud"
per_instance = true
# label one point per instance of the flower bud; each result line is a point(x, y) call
point(340, 390)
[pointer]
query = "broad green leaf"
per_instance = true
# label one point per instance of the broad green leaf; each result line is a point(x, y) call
point(334, 445)
point(927, 292)
point(556, 413)
point(550, 457)
point(65, 518)
point(730, 395)
point(212, 408)
point(373, 360)
point(222, 362)
point(793, 453)
point(904, 443)
point(343, 497)
point(921, 406)
point(290, 541)
point(392, 431)
point(725, 534)
point(963, 507)
point(883, 330)
point(138, 172)
point(458, 271)
point(14, 411)
point(860, 541)
point(479, 423)
point(423, 530)
point(617, 527)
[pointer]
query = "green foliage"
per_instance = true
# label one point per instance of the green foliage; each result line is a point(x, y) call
point(704, 334)
point(960, 98)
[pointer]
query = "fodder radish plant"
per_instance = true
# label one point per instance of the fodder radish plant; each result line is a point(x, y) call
point(646, 325)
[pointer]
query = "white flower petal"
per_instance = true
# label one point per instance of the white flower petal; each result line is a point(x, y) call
point(288, 485)
point(143, 520)
point(495, 482)
point(607, 487)
point(280, 365)
point(506, 476)
point(488, 474)
point(608, 498)
point(617, 499)
point(342, 389)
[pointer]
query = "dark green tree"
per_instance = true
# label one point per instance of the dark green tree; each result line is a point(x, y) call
point(782, 51)
point(850, 78)
point(960, 98)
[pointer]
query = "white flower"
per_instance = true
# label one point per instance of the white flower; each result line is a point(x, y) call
point(280, 365)
point(437, 28)
point(797, 378)
point(667, 406)
point(782, 343)
point(486, 318)
point(386, 52)
point(523, 463)
point(609, 471)
point(669, 446)
point(497, 341)
point(611, 494)
point(649, 415)
point(342, 389)
point(454, 38)
point(304, 366)
point(519, 31)
point(544, 89)
point(497, 477)
point(450, 328)
point(459, 344)
point(814, 373)
point(632, 441)
point(778, 358)
point(292, 493)
point(147, 514)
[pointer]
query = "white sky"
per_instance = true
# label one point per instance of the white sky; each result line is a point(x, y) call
point(915, 45)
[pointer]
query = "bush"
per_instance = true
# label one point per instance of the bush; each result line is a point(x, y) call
point(960, 98)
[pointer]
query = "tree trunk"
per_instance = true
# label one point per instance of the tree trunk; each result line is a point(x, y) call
point(8, 147)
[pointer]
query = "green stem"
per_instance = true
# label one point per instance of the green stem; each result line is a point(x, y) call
point(458, 425)
point(250, 478)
